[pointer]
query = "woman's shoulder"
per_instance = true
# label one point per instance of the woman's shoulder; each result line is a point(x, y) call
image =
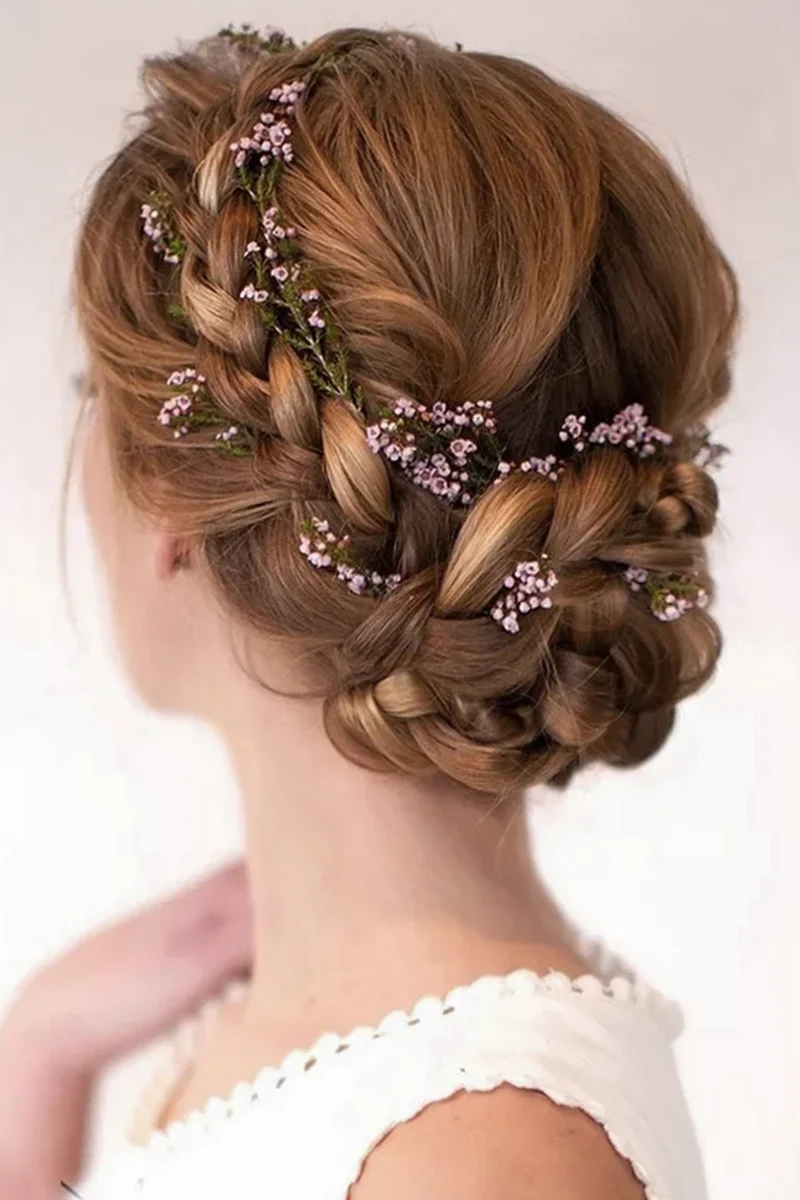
point(552, 1057)
point(555, 1077)
point(510, 1142)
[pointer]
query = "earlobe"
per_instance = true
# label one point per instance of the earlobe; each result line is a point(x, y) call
point(172, 554)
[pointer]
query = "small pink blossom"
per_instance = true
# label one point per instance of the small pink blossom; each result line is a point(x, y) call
point(320, 546)
point(527, 588)
point(670, 596)
point(431, 446)
point(631, 428)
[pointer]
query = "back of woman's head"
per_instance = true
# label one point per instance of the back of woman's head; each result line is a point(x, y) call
point(479, 233)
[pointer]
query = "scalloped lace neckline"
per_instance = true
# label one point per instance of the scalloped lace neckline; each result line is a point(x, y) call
point(614, 981)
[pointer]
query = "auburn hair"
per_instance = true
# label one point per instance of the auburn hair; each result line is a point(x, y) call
point(479, 231)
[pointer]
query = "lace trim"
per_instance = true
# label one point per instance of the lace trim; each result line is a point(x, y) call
point(622, 987)
point(175, 1052)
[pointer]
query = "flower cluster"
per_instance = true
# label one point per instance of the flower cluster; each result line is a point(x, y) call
point(288, 302)
point(271, 138)
point(324, 549)
point(191, 408)
point(157, 223)
point(271, 41)
point(670, 598)
point(527, 588)
point(573, 429)
point(702, 450)
point(276, 266)
point(180, 407)
point(550, 467)
point(630, 428)
point(451, 452)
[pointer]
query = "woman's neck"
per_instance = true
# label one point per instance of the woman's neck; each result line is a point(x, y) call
point(362, 879)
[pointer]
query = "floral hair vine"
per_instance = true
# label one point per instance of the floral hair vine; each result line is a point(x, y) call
point(275, 41)
point(669, 597)
point(451, 451)
point(527, 588)
point(287, 302)
point(454, 452)
point(271, 41)
point(191, 406)
point(323, 549)
point(158, 226)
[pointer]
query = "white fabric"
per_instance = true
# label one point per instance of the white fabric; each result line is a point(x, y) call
point(603, 1043)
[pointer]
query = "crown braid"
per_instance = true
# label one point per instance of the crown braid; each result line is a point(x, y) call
point(580, 517)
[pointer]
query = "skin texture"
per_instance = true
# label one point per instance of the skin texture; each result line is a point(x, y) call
point(509, 1143)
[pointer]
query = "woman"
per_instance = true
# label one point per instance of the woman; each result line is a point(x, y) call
point(400, 359)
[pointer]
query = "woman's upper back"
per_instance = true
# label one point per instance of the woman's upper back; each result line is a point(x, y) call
point(602, 1044)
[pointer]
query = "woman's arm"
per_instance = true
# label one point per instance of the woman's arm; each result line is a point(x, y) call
point(44, 1106)
point(113, 991)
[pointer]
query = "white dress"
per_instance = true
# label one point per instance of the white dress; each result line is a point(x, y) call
point(302, 1130)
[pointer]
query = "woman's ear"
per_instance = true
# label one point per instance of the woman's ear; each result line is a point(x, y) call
point(173, 553)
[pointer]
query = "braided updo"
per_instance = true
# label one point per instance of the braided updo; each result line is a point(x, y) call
point(480, 232)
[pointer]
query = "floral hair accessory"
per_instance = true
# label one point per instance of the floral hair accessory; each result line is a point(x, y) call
point(527, 588)
point(288, 302)
point(705, 453)
point(324, 549)
point(277, 272)
point(551, 467)
point(157, 221)
point(271, 136)
point(191, 408)
point(671, 597)
point(629, 428)
point(450, 452)
point(272, 40)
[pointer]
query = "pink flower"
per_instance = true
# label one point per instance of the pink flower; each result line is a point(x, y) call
point(324, 550)
point(527, 588)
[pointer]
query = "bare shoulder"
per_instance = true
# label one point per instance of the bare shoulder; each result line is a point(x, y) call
point(510, 1142)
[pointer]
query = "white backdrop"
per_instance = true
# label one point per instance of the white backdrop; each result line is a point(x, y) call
point(689, 866)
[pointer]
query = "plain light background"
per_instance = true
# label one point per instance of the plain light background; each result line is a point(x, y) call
point(689, 865)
